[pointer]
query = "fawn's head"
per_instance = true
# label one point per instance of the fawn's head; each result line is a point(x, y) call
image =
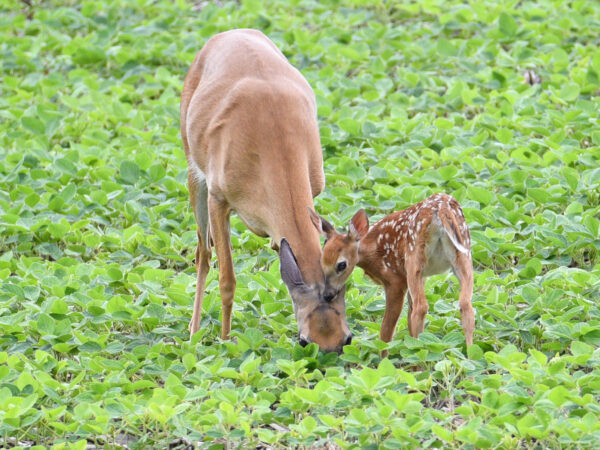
point(340, 250)
point(321, 317)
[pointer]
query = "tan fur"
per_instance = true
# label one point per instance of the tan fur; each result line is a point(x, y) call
point(401, 250)
point(248, 124)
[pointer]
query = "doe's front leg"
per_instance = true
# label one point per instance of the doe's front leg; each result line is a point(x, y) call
point(219, 227)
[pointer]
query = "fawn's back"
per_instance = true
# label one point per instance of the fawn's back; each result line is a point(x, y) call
point(435, 228)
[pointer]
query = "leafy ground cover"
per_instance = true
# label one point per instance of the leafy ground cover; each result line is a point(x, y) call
point(97, 236)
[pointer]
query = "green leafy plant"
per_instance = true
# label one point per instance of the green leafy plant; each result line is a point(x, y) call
point(97, 236)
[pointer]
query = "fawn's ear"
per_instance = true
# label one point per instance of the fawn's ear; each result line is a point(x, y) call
point(359, 225)
point(322, 226)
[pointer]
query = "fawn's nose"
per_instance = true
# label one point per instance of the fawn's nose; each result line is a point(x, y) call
point(329, 295)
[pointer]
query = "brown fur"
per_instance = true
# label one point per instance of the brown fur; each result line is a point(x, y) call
point(400, 251)
point(248, 124)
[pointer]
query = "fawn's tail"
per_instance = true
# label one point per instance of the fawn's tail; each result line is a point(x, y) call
point(456, 229)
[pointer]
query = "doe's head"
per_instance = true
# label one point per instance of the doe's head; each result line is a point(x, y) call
point(340, 250)
point(321, 317)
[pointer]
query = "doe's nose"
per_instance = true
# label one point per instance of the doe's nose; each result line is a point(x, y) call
point(303, 341)
point(348, 340)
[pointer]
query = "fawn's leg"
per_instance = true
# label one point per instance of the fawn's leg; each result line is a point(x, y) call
point(463, 269)
point(419, 305)
point(394, 300)
point(409, 311)
point(219, 227)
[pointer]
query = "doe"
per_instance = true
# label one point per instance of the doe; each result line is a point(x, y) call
point(399, 252)
point(251, 138)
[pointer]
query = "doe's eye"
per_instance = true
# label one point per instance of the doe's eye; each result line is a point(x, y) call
point(340, 267)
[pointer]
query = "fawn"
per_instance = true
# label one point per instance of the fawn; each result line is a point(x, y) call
point(399, 252)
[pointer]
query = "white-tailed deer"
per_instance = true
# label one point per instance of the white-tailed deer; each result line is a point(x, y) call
point(250, 134)
point(399, 252)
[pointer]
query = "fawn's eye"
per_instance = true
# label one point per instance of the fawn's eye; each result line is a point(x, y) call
point(340, 267)
point(325, 241)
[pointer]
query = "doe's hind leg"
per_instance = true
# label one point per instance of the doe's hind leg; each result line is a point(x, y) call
point(203, 256)
point(198, 195)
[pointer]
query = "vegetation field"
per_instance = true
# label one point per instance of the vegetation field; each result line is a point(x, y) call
point(97, 236)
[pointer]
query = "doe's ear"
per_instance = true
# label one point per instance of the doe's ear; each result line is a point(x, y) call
point(322, 226)
point(290, 272)
point(359, 225)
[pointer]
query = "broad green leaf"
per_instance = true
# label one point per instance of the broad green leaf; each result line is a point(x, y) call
point(504, 135)
point(45, 324)
point(130, 172)
point(446, 48)
point(507, 23)
point(569, 92)
point(480, 195)
point(475, 352)
point(33, 125)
